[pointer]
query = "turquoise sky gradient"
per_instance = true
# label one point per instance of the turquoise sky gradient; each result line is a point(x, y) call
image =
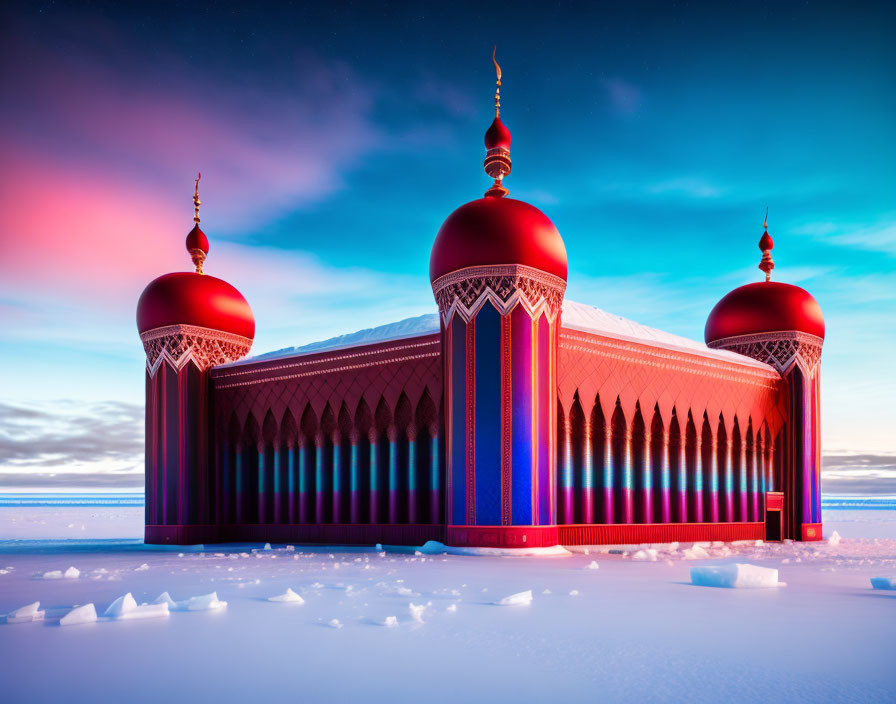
point(334, 141)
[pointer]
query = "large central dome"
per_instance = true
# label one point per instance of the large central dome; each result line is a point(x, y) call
point(495, 230)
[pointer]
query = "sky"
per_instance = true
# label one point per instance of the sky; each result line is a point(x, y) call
point(334, 138)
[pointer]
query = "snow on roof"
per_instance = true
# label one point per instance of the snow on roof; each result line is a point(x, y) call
point(576, 316)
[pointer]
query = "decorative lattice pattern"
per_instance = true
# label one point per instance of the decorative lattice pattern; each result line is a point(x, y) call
point(782, 350)
point(465, 291)
point(177, 345)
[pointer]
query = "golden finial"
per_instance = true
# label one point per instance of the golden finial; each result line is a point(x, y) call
point(196, 199)
point(498, 86)
point(766, 245)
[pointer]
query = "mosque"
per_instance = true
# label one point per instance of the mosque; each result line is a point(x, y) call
point(512, 418)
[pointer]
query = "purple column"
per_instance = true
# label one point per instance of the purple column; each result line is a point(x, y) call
point(375, 479)
point(647, 477)
point(337, 479)
point(435, 477)
point(682, 474)
point(609, 461)
point(567, 514)
point(413, 497)
point(587, 472)
point(319, 478)
point(304, 483)
point(393, 474)
point(355, 479)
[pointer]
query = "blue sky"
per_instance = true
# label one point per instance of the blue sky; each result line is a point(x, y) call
point(335, 139)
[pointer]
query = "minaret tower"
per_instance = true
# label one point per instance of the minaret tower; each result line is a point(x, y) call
point(188, 322)
point(782, 325)
point(498, 271)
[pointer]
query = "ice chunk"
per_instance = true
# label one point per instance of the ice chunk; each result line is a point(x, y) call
point(574, 592)
point(72, 573)
point(121, 605)
point(142, 568)
point(206, 602)
point(267, 546)
point(52, 574)
point(334, 623)
point(735, 576)
point(695, 553)
point(593, 565)
point(518, 599)
point(125, 608)
point(648, 554)
point(451, 607)
point(165, 598)
point(416, 611)
point(79, 615)
point(389, 622)
point(883, 582)
point(25, 614)
point(288, 596)
point(834, 539)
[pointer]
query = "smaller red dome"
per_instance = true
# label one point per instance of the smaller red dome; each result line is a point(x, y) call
point(497, 231)
point(763, 307)
point(187, 298)
point(497, 135)
point(197, 240)
point(766, 243)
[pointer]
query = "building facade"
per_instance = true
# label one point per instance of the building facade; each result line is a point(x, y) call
point(511, 418)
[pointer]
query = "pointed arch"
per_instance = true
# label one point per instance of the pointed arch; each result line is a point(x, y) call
point(580, 458)
point(641, 468)
point(678, 466)
point(659, 469)
point(709, 469)
point(599, 451)
point(623, 502)
point(429, 498)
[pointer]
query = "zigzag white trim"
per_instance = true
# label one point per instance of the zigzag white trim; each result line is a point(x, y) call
point(465, 291)
point(781, 349)
point(178, 345)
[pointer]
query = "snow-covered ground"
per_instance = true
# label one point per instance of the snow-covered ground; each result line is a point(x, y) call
point(397, 627)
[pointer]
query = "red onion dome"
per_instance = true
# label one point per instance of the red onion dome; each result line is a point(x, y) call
point(188, 298)
point(495, 230)
point(763, 307)
point(196, 239)
point(194, 298)
point(497, 136)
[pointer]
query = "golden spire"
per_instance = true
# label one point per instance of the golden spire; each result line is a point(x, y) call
point(765, 222)
point(196, 202)
point(498, 86)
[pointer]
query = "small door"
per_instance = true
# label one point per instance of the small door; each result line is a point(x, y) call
point(773, 524)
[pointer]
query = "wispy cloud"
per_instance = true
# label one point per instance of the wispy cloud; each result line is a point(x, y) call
point(876, 237)
point(68, 443)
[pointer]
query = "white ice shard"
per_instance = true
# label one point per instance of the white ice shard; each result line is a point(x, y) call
point(389, 621)
point(883, 582)
point(52, 574)
point(205, 602)
point(25, 614)
point(735, 576)
point(142, 568)
point(518, 599)
point(334, 623)
point(592, 565)
point(79, 615)
point(834, 539)
point(125, 608)
point(72, 573)
point(288, 596)
point(648, 554)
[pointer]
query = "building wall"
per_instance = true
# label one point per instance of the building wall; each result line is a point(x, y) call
point(342, 437)
point(354, 437)
point(654, 435)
